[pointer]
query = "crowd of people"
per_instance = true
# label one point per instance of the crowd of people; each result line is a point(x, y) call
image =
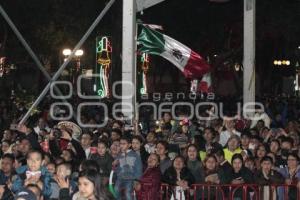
point(48, 161)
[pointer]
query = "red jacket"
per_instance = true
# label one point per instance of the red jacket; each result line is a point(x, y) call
point(150, 184)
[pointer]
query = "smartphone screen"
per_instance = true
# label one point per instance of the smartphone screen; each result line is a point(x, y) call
point(13, 127)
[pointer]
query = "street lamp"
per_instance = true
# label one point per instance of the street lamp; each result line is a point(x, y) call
point(78, 54)
point(66, 52)
point(282, 62)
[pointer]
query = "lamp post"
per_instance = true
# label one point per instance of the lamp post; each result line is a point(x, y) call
point(76, 72)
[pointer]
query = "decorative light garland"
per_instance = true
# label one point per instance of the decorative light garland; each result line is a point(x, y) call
point(103, 56)
point(145, 62)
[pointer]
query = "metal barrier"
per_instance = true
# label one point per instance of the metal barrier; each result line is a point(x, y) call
point(231, 192)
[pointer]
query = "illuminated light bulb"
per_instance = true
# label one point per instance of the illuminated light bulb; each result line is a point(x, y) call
point(67, 52)
point(79, 52)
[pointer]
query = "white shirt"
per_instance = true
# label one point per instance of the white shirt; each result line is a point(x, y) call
point(37, 129)
point(262, 116)
point(150, 148)
point(87, 152)
point(225, 135)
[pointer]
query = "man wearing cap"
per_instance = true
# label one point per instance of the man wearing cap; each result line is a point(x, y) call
point(25, 194)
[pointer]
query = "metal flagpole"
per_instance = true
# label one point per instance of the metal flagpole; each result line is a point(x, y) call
point(249, 53)
point(129, 60)
point(29, 50)
point(62, 67)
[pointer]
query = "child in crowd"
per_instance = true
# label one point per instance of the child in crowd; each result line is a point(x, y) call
point(64, 171)
point(33, 173)
point(138, 147)
point(103, 159)
point(128, 169)
point(115, 148)
point(151, 140)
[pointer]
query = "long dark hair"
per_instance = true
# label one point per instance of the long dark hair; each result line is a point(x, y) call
point(100, 191)
point(197, 150)
point(207, 171)
point(239, 157)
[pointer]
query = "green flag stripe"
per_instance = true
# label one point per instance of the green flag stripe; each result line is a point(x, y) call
point(152, 41)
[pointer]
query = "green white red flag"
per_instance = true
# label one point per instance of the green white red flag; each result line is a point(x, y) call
point(189, 62)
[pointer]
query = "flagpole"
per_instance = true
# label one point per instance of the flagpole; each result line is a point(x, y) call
point(249, 54)
point(128, 98)
point(136, 113)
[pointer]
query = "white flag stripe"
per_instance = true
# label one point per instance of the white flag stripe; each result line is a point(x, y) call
point(176, 53)
point(207, 78)
point(154, 26)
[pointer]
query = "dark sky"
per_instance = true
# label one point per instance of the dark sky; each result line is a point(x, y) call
point(208, 28)
point(200, 24)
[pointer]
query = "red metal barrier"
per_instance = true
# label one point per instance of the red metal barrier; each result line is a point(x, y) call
point(284, 191)
point(229, 192)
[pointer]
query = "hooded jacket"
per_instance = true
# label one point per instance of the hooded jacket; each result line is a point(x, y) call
point(18, 184)
point(130, 166)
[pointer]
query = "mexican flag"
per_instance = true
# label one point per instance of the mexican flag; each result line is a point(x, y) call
point(205, 83)
point(190, 63)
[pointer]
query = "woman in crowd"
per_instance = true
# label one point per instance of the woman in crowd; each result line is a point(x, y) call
point(291, 173)
point(211, 172)
point(194, 164)
point(149, 184)
point(178, 175)
point(212, 175)
point(89, 187)
point(275, 146)
point(239, 174)
point(162, 152)
point(260, 153)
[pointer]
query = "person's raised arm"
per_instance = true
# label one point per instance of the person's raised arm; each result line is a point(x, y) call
point(53, 146)
point(31, 136)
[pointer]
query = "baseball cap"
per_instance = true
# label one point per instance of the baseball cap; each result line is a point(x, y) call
point(25, 194)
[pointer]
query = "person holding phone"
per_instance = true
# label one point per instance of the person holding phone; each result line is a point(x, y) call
point(178, 176)
point(212, 175)
point(239, 174)
point(33, 173)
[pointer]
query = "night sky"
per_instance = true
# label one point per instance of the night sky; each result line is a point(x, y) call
point(208, 28)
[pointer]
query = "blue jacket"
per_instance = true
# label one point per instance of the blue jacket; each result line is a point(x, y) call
point(130, 166)
point(18, 184)
point(3, 178)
